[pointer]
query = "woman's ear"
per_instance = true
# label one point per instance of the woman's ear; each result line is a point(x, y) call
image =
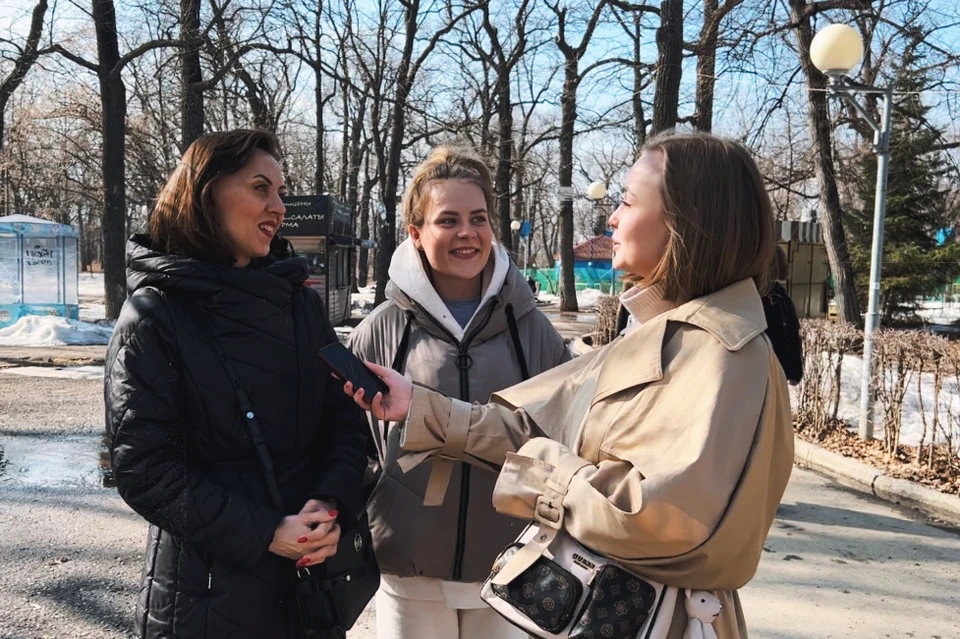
point(414, 233)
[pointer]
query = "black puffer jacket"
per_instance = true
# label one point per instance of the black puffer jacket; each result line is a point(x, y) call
point(182, 455)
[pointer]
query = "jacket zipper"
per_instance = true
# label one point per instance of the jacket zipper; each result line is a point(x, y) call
point(464, 357)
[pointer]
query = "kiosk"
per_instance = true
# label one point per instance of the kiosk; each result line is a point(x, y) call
point(321, 229)
point(39, 274)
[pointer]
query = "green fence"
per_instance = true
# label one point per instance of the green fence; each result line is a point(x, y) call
point(584, 277)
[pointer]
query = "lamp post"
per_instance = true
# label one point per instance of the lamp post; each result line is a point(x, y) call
point(835, 50)
point(515, 226)
point(597, 191)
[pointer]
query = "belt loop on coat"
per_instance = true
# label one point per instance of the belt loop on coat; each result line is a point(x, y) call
point(549, 512)
point(458, 427)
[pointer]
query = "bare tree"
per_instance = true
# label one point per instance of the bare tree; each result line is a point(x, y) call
point(25, 57)
point(666, 98)
point(191, 73)
point(504, 63)
point(801, 21)
point(706, 51)
point(113, 99)
point(572, 77)
point(406, 74)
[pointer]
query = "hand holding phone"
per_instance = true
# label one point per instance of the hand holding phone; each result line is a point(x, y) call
point(349, 368)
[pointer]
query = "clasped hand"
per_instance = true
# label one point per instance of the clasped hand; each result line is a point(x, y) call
point(309, 537)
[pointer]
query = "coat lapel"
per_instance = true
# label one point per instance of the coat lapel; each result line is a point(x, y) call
point(632, 360)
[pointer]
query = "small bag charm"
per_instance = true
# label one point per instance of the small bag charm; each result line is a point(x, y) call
point(702, 608)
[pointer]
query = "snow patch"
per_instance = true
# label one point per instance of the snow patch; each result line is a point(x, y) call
point(939, 312)
point(48, 330)
point(912, 425)
point(44, 462)
point(91, 285)
point(61, 372)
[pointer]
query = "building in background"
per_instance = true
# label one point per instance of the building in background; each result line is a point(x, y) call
point(321, 229)
point(809, 282)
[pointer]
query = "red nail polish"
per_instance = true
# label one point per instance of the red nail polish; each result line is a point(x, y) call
point(333, 513)
point(303, 562)
point(302, 540)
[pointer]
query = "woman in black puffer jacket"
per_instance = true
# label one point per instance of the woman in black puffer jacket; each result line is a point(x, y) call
point(221, 555)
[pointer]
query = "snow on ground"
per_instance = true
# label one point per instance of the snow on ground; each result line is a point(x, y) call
point(61, 372)
point(938, 312)
point(364, 297)
point(912, 425)
point(69, 461)
point(586, 298)
point(47, 330)
point(91, 285)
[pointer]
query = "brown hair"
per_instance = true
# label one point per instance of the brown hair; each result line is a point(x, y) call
point(717, 212)
point(446, 163)
point(184, 220)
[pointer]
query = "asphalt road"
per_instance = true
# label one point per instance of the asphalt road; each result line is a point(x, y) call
point(838, 564)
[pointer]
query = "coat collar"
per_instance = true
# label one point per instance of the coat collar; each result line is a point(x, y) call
point(733, 315)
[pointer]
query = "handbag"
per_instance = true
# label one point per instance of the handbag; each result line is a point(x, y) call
point(332, 595)
point(571, 591)
point(552, 586)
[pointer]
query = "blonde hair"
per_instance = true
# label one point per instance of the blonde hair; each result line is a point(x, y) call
point(718, 213)
point(446, 163)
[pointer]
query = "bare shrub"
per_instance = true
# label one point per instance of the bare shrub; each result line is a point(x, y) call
point(812, 408)
point(608, 308)
point(891, 376)
point(927, 355)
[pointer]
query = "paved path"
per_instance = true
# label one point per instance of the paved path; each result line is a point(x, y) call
point(838, 564)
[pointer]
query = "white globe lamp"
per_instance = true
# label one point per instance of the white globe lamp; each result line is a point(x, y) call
point(836, 49)
point(515, 225)
point(597, 190)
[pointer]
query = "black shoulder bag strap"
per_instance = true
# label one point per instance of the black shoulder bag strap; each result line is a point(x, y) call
point(246, 408)
point(515, 336)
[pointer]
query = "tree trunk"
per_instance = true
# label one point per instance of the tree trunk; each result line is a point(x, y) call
point(504, 160)
point(639, 119)
point(819, 124)
point(706, 67)
point(387, 242)
point(191, 75)
point(318, 141)
point(114, 116)
point(568, 107)
point(666, 99)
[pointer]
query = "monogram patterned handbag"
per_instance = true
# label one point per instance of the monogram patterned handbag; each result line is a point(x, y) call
point(571, 591)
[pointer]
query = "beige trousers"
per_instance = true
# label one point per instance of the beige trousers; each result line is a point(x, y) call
point(399, 618)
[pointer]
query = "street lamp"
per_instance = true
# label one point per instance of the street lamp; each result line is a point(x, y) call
point(835, 51)
point(597, 191)
point(516, 226)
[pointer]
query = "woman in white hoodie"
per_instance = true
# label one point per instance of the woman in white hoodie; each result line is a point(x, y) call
point(459, 318)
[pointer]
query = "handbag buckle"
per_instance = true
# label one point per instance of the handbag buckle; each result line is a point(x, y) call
point(547, 513)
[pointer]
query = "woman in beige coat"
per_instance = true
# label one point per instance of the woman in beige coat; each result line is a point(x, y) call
point(669, 449)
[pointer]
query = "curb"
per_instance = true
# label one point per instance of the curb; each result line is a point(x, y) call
point(860, 476)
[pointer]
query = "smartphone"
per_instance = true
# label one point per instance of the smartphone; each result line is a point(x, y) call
point(349, 368)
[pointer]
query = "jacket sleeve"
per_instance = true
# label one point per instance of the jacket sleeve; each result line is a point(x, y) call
point(345, 458)
point(614, 506)
point(146, 426)
point(482, 434)
point(618, 507)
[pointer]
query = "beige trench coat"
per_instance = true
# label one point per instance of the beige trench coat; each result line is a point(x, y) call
point(682, 433)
